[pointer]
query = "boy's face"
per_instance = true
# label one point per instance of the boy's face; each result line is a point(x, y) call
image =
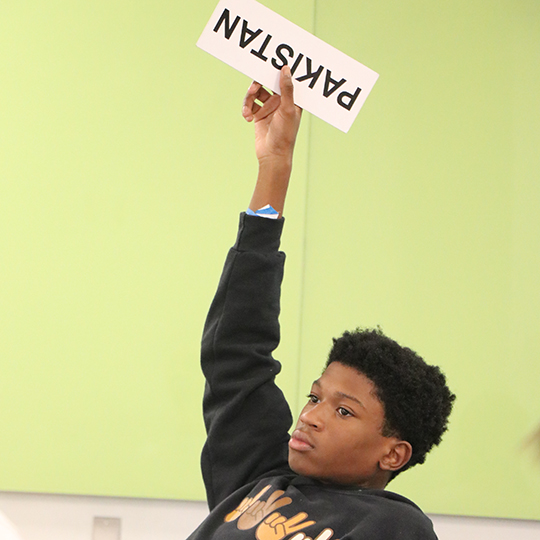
point(338, 435)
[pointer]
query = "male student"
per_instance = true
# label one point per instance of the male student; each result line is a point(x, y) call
point(377, 408)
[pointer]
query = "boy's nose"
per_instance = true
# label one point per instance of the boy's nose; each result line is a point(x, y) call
point(312, 418)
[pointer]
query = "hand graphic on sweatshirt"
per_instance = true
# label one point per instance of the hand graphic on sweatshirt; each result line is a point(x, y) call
point(325, 535)
point(277, 527)
point(245, 504)
point(258, 510)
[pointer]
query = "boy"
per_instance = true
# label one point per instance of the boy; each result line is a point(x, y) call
point(376, 410)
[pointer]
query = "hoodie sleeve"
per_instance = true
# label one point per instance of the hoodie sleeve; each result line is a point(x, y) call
point(246, 416)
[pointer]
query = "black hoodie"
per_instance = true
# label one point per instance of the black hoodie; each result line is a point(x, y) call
point(252, 493)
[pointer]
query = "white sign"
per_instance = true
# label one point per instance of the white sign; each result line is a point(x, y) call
point(258, 42)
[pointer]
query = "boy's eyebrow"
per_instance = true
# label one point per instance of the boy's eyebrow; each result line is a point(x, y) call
point(342, 395)
point(352, 398)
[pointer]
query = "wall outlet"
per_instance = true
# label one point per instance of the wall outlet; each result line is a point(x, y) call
point(106, 528)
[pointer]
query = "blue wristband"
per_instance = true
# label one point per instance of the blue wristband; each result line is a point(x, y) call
point(265, 212)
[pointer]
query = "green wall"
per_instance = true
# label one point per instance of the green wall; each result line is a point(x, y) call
point(124, 162)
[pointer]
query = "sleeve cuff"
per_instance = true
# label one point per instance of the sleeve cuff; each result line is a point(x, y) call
point(256, 234)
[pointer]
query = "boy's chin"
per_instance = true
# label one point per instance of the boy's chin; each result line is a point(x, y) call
point(301, 466)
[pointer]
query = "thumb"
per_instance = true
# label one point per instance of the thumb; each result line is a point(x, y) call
point(286, 86)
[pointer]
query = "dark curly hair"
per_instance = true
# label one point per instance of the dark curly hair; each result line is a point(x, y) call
point(415, 397)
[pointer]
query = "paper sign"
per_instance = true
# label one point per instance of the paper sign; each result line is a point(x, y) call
point(258, 42)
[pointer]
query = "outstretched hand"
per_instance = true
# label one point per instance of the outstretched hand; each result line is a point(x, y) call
point(276, 121)
point(276, 125)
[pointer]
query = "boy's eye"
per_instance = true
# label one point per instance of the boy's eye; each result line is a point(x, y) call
point(313, 398)
point(344, 412)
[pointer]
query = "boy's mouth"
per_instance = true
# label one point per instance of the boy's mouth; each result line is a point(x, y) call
point(300, 441)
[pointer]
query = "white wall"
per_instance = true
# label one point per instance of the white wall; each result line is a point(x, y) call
point(56, 517)
point(471, 528)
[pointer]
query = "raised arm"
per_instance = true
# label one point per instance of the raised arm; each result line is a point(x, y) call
point(246, 416)
point(276, 125)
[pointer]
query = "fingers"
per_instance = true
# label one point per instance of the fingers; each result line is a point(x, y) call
point(262, 492)
point(245, 504)
point(251, 110)
point(281, 502)
point(255, 93)
point(270, 106)
point(276, 495)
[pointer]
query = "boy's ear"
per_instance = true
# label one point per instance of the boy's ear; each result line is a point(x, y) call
point(399, 455)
